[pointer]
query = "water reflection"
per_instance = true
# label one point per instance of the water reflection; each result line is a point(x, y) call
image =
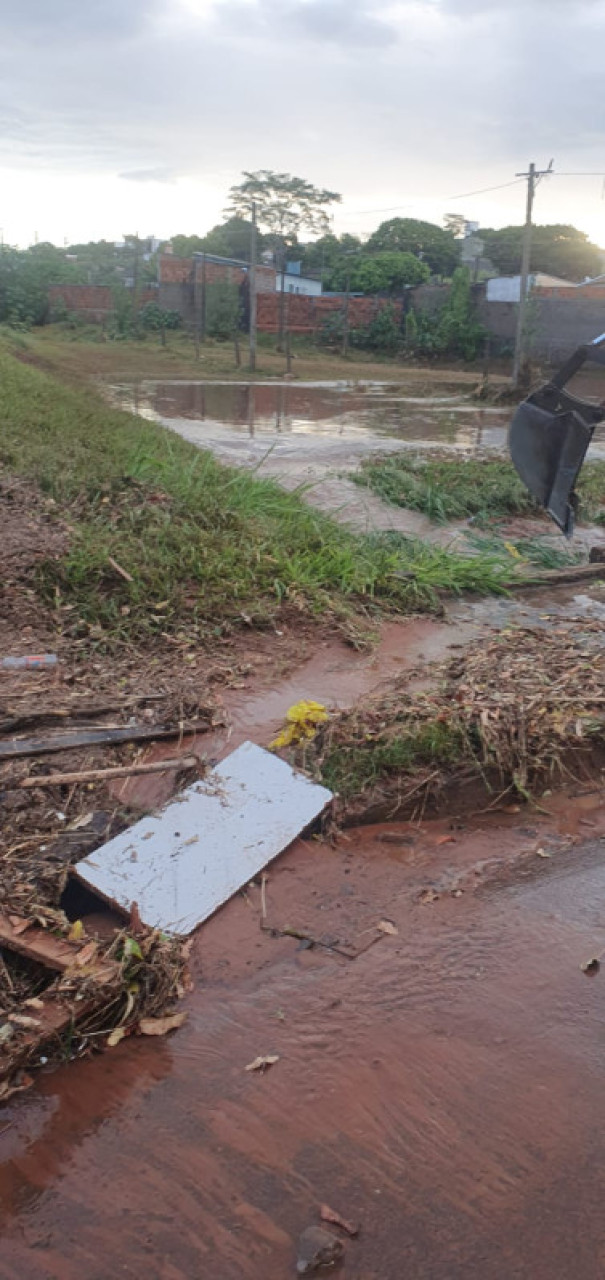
point(333, 410)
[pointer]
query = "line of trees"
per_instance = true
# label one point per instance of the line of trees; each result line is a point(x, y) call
point(293, 224)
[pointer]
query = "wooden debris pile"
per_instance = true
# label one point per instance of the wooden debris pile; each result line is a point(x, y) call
point(516, 709)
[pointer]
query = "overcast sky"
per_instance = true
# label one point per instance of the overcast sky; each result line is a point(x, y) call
point(137, 115)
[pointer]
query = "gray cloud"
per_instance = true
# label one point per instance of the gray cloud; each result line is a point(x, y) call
point(77, 18)
point(375, 100)
point(149, 175)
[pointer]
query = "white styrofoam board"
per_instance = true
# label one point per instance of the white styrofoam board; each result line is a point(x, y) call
point(182, 863)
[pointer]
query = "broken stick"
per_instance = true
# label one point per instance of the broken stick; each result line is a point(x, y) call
point(115, 771)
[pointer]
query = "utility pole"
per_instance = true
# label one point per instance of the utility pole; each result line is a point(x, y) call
point(135, 288)
point(252, 289)
point(533, 177)
point(345, 318)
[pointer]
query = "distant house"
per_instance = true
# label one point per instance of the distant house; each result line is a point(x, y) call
point(508, 288)
point(295, 282)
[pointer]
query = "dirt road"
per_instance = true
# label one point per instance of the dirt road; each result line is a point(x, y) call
point(445, 1088)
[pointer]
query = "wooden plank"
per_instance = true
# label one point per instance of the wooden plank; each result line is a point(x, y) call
point(37, 944)
point(54, 953)
point(15, 748)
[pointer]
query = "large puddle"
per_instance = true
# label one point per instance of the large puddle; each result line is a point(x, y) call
point(352, 410)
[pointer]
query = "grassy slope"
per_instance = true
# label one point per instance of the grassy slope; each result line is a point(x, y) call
point(455, 488)
point(203, 543)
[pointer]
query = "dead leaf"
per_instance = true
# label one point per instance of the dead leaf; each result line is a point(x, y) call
point(19, 924)
point(330, 1215)
point(86, 954)
point(22, 1020)
point(161, 1026)
point(76, 933)
point(262, 1063)
point(591, 967)
point(115, 1036)
point(386, 926)
point(83, 821)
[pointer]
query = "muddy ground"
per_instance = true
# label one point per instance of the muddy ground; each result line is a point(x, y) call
point(443, 1090)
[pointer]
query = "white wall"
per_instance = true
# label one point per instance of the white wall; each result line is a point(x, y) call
point(298, 284)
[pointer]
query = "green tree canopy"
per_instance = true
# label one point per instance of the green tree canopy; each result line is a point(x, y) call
point(230, 239)
point(285, 205)
point(25, 275)
point(378, 272)
point(558, 250)
point(323, 254)
point(436, 247)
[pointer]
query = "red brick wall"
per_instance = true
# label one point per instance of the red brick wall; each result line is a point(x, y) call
point(94, 301)
point(180, 271)
point(305, 314)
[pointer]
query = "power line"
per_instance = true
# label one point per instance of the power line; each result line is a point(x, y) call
point(361, 213)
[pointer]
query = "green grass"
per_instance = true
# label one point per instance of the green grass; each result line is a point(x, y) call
point(534, 551)
point(459, 488)
point(203, 543)
point(349, 770)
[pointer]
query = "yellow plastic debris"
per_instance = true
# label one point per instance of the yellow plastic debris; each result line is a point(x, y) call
point(513, 551)
point(302, 722)
point(76, 933)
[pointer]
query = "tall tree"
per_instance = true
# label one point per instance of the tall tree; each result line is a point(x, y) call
point(557, 249)
point(285, 207)
point(426, 240)
point(456, 223)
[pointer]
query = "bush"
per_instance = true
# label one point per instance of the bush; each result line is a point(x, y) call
point(154, 318)
point(223, 310)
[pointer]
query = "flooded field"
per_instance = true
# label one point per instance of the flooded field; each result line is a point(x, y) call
point(340, 410)
point(311, 436)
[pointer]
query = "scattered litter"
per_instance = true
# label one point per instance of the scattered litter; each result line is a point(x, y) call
point(161, 1026)
point(387, 926)
point(302, 723)
point(543, 853)
point(330, 1215)
point(262, 1063)
point(591, 967)
point(317, 1248)
point(445, 840)
point(76, 933)
point(248, 809)
point(33, 662)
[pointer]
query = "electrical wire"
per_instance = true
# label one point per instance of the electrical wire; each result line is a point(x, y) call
point(361, 213)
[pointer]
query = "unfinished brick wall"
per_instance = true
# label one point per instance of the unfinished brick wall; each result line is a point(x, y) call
point(304, 314)
point(92, 301)
point(173, 270)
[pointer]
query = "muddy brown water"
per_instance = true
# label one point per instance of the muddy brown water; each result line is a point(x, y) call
point(444, 1089)
point(355, 411)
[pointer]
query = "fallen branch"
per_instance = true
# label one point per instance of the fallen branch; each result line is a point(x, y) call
point(117, 771)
